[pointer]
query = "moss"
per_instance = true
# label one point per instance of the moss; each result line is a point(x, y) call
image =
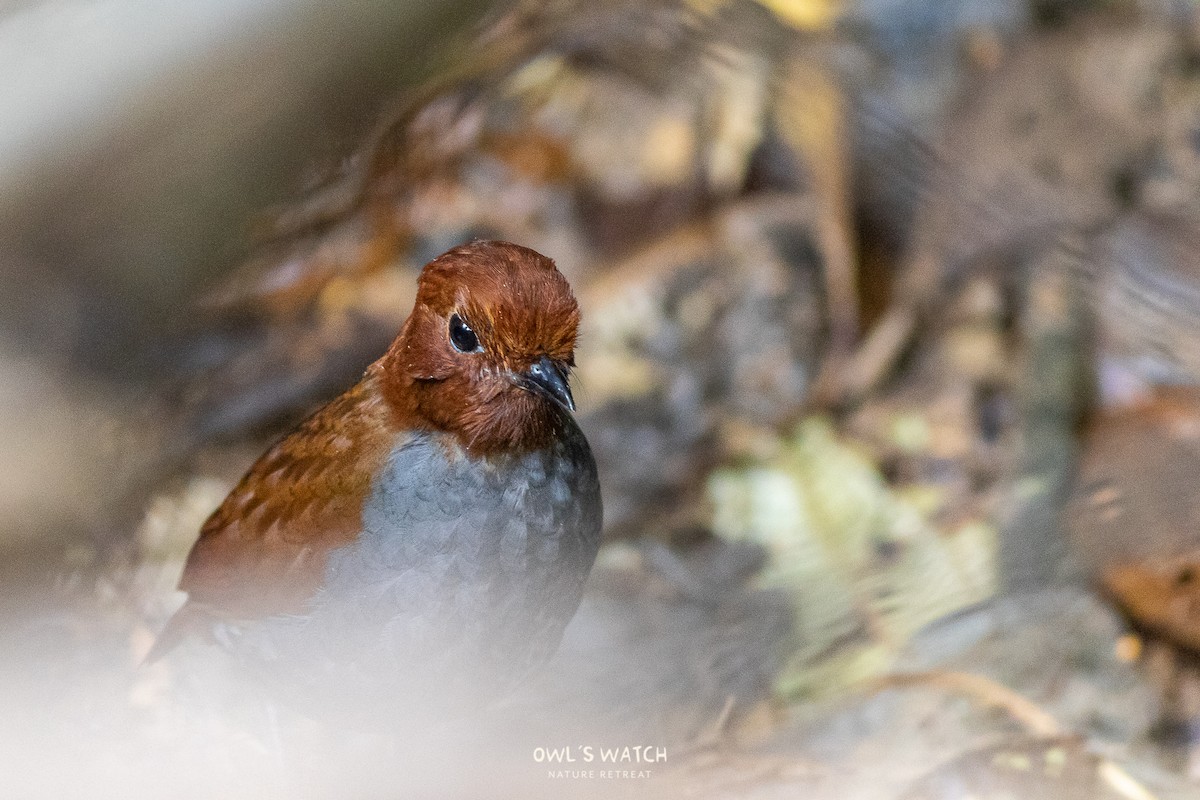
point(863, 564)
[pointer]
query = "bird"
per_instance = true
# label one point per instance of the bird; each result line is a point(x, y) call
point(429, 532)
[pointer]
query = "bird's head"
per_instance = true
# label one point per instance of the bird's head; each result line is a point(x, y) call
point(487, 351)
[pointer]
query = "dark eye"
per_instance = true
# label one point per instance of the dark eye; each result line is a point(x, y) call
point(462, 337)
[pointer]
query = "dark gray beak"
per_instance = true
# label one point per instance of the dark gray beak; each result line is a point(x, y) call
point(547, 377)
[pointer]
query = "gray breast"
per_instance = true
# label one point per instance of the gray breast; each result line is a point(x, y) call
point(460, 560)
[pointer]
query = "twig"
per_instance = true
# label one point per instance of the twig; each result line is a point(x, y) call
point(714, 733)
point(983, 689)
point(1033, 717)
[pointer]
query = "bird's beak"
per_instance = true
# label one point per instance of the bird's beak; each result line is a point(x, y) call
point(548, 377)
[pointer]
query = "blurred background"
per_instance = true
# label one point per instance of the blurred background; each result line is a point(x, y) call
point(890, 344)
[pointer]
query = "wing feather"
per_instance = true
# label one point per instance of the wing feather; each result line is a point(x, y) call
point(263, 551)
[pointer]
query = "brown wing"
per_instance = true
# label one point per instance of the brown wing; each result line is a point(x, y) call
point(263, 551)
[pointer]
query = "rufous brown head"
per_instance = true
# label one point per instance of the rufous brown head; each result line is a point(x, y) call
point(487, 351)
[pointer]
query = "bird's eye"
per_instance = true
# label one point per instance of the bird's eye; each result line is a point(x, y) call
point(462, 337)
